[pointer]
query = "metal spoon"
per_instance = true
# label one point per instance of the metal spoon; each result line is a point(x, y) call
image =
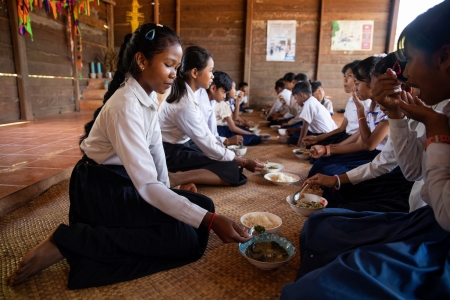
point(297, 195)
point(256, 230)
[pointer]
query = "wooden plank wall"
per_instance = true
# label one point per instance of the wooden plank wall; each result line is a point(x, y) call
point(218, 26)
point(9, 99)
point(263, 74)
point(331, 62)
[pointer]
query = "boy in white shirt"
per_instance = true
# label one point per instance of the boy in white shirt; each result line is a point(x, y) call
point(315, 117)
point(243, 90)
point(319, 93)
point(281, 90)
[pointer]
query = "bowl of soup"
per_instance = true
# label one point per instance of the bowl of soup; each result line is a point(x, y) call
point(271, 167)
point(308, 204)
point(267, 251)
point(302, 154)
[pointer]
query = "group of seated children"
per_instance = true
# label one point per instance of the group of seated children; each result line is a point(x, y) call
point(367, 245)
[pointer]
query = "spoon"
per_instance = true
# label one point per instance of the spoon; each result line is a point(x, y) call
point(297, 195)
point(256, 230)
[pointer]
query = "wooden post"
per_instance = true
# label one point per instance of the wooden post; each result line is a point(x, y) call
point(248, 43)
point(110, 24)
point(76, 80)
point(178, 13)
point(393, 16)
point(319, 43)
point(156, 11)
point(20, 63)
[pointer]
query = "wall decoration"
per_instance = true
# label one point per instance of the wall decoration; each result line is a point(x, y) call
point(352, 35)
point(134, 16)
point(281, 37)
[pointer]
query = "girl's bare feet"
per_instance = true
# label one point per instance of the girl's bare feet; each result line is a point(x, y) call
point(37, 259)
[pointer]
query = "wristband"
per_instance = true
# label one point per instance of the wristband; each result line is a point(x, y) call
point(338, 180)
point(438, 138)
point(211, 222)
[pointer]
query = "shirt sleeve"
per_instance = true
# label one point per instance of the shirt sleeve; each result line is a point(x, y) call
point(307, 113)
point(275, 107)
point(195, 129)
point(128, 137)
point(223, 111)
point(407, 148)
point(436, 191)
point(382, 164)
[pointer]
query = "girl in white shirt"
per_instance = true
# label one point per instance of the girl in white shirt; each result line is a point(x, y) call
point(124, 221)
point(363, 147)
point(188, 142)
point(394, 255)
point(224, 116)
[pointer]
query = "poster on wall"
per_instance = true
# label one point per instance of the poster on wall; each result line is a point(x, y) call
point(352, 35)
point(281, 40)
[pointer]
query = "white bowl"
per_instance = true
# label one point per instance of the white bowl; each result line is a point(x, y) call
point(239, 151)
point(300, 154)
point(249, 111)
point(275, 127)
point(282, 131)
point(279, 167)
point(254, 127)
point(273, 218)
point(282, 139)
point(271, 177)
point(308, 198)
point(268, 237)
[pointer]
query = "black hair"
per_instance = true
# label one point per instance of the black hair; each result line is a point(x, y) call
point(302, 87)
point(162, 38)
point(242, 84)
point(222, 80)
point(351, 66)
point(194, 57)
point(280, 84)
point(364, 69)
point(391, 61)
point(315, 85)
point(289, 76)
point(428, 32)
point(301, 77)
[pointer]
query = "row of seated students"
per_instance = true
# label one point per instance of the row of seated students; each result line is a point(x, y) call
point(126, 222)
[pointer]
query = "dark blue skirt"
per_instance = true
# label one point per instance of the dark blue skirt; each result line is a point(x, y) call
point(341, 163)
point(187, 156)
point(369, 255)
point(114, 235)
point(249, 139)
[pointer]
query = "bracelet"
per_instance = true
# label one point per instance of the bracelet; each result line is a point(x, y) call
point(361, 118)
point(211, 222)
point(438, 138)
point(338, 180)
point(328, 150)
point(325, 149)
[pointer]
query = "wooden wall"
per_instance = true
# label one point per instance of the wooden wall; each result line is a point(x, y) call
point(9, 99)
point(263, 74)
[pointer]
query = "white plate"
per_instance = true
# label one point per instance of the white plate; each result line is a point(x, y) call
point(269, 164)
point(270, 175)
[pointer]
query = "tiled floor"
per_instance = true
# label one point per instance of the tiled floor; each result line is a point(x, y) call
point(36, 150)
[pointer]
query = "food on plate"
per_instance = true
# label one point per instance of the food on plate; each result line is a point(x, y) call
point(253, 220)
point(280, 177)
point(266, 252)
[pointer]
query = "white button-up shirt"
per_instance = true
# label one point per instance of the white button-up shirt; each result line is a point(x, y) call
point(434, 168)
point(317, 116)
point(208, 109)
point(183, 120)
point(126, 132)
point(352, 115)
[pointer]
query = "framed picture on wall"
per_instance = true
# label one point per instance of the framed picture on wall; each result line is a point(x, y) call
point(281, 40)
point(352, 35)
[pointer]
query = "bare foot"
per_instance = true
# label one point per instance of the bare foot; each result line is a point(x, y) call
point(189, 187)
point(37, 259)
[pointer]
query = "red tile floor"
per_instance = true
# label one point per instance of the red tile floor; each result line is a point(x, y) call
point(33, 151)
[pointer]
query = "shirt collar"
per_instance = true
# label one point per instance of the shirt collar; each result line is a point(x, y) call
point(191, 95)
point(138, 91)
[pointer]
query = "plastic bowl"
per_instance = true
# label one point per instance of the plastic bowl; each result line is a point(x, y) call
point(300, 154)
point(271, 164)
point(273, 218)
point(249, 111)
point(275, 127)
point(308, 198)
point(271, 177)
point(254, 127)
point(282, 131)
point(239, 151)
point(268, 237)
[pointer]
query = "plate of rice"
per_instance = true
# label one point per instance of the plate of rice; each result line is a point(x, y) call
point(282, 178)
point(271, 222)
